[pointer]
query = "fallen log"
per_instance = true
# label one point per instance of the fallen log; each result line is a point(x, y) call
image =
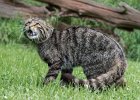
point(124, 17)
point(13, 8)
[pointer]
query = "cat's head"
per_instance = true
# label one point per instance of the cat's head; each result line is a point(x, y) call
point(37, 30)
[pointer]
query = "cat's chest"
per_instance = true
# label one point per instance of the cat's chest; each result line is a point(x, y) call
point(42, 53)
point(49, 55)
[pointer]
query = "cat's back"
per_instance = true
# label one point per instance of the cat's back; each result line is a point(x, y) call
point(77, 34)
point(87, 38)
point(82, 41)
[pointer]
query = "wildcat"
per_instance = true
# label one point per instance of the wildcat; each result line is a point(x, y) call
point(101, 57)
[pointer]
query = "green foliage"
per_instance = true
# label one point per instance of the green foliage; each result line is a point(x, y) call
point(131, 40)
point(11, 30)
point(22, 71)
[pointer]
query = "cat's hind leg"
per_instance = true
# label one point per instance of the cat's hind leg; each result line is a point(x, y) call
point(120, 82)
point(65, 75)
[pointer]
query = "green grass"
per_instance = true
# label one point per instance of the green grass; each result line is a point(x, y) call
point(22, 71)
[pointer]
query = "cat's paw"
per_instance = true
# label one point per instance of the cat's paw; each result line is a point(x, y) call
point(48, 80)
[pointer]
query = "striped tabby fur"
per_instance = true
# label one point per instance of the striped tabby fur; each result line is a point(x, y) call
point(101, 57)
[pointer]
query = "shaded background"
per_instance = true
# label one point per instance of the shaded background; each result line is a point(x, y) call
point(11, 29)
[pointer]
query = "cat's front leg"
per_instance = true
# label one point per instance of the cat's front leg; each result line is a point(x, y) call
point(53, 72)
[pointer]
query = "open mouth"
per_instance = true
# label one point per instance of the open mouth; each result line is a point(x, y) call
point(32, 35)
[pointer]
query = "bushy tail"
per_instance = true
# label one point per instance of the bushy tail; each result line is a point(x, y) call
point(101, 81)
